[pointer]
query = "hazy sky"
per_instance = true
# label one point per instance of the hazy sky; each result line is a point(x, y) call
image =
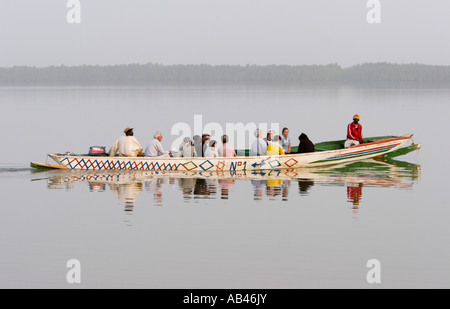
point(35, 32)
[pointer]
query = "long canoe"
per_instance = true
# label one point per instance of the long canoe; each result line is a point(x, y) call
point(327, 153)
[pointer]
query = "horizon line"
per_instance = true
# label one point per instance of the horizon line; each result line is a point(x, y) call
point(220, 65)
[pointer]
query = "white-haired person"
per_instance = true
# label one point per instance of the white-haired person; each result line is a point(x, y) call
point(155, 148)
point(259, 145)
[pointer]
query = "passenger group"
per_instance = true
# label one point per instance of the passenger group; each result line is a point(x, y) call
point(203, 146)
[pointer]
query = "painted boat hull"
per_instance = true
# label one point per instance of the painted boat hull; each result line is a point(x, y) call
point(240, 163)
point(389, 173)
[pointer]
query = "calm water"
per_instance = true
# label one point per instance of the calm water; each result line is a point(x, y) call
point(308, 228)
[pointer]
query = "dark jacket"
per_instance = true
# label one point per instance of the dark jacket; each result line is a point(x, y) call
point(305, 144)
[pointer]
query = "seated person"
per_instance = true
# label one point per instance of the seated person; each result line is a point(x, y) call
point(211, 150)
point(259, 145)
point(354, 133)
point(155, 148)
point(305, 144)
point(198, 145)
point(275, 148)
point(269, 137)
point(226, 150)
point(127, 146)
point(285, 140)
point(205, 140)
point(187, 149)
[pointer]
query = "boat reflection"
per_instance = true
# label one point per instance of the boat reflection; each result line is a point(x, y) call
point(274, 185)
point(127, 193)
point(354, 194)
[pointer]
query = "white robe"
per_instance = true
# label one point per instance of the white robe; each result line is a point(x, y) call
point(128, 146)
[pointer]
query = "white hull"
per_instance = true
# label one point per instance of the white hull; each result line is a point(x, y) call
point(241, 163)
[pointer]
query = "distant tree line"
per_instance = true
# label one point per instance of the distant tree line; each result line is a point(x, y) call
point(157, 73)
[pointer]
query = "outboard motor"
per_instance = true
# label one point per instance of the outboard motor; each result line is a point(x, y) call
point(97, 151)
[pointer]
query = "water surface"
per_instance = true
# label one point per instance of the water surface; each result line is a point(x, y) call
point(284, 229)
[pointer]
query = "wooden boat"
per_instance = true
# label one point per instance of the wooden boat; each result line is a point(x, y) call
point(327, 153)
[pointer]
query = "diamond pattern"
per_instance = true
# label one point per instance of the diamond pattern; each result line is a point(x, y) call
point(208, 165)
point(291, 162)
point(189, 165)
point(274, 163)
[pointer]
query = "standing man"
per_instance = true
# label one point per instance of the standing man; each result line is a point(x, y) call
point(155, 148)
point(354, 133)
point(128, 145)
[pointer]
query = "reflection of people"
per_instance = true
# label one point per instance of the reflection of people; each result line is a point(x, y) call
point(127, 193)
point(354, 133)
point(201, 187)
point(304, 185)
point(155, 186)
point(212, 186)
point(285, 187)
point(354, 194)
point(187, 185)
point(258, 188)
point(226, 185)
point(127, 146)
point(273, 187)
